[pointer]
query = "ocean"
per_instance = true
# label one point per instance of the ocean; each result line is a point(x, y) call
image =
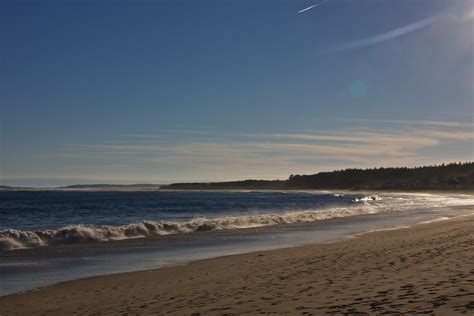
point(49, 236)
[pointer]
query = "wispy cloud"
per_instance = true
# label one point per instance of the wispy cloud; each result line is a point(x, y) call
point(276, 155)
point(445, 16)
point(170, 131)
point(395, 33)
point(414, 122)
point(312, 6)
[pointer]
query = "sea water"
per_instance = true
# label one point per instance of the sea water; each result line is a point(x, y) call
point(75, 234)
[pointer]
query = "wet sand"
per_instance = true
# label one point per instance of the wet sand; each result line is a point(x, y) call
point(428, 268)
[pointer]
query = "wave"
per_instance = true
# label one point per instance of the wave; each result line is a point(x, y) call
point(368, 198)
point(73, 234)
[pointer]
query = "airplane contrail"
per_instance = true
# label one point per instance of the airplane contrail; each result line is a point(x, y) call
point(310, 7)
point(391, 34)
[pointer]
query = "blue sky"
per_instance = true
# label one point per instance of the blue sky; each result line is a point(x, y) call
point(161, 91)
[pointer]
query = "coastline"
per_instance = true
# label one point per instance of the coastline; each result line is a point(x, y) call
point(331, 190)
point(423, 268)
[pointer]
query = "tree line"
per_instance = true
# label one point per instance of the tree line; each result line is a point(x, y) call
point(452, 176)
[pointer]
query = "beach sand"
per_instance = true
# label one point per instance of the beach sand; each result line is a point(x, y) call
point(428, 268)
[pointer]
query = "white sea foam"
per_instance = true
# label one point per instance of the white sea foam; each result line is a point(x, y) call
point(442, 218)
point(368, 198)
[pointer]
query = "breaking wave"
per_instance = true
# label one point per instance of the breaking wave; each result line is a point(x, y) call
point(368, 198)
point(73, 234)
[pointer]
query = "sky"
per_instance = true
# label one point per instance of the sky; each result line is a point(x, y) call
point(183, 90)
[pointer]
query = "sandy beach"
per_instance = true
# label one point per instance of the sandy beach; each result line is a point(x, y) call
point(426, 269)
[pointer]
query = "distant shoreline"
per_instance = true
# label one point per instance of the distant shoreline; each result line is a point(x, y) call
point(452, 177)
point(362, 191)
point(359, 191)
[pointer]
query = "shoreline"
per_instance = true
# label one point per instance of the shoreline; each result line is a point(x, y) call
point(252, 273)
point(330, 190)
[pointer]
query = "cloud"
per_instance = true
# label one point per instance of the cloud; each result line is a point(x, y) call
point(448, 16)
point(276, 155)
point(414, 122)
point(395, 33)
point(355, 138)
point(164, 157)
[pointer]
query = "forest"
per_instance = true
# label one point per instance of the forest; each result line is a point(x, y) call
point(452, 176)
